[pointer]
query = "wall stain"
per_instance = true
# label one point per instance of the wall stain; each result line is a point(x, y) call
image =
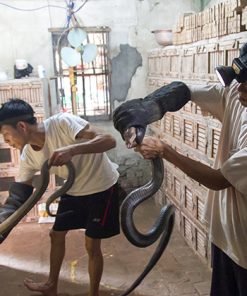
point(124, 67)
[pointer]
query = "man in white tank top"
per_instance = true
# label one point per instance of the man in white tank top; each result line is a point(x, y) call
point(93, 198)
point(226, 203)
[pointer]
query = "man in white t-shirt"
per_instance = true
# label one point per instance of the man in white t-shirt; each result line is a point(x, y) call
point(92, 201)
point(226, 204)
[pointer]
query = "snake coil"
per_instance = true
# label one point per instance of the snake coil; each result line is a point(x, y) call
point(13, 220)
point(164, 223)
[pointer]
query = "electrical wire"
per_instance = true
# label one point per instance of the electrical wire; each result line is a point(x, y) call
point(49, 12)
point(68, 4)
point(32, 9)
point(81, 6)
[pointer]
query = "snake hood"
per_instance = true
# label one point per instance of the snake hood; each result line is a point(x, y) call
point(141, 112)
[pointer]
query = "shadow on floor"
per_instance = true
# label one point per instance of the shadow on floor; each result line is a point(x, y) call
point(178, 273)
point(12, 284)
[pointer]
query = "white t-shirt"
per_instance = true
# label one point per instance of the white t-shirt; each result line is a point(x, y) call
point(226, 210)
point(94, 172)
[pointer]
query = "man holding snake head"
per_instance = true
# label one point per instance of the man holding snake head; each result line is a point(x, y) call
point(226, 204)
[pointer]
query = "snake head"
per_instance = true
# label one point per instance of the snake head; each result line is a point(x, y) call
point(133, 136)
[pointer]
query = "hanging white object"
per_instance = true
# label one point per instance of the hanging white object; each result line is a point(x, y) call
point(21, 64)
point(76, 36)
point(41, 71)
point(3, 76)
point(70, 56)
point(78, 50)
point(89, 53)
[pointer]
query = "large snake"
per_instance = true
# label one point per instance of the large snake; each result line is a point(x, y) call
point(13, 220)
point(164, 223)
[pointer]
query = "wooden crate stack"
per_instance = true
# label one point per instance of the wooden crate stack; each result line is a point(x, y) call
point(34, 91)
point(221, 19)
point(193, 62)
point(244, 17)
point(190, 131)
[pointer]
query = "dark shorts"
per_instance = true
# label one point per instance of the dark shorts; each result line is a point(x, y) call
point(97, 213)
point(228, 278)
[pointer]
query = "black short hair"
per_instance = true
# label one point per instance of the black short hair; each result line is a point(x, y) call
point(16, 110)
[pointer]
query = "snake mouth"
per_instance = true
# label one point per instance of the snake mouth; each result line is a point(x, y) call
point(130, 136)
point(134, 135)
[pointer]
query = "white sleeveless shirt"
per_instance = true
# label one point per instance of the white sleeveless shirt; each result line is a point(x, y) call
point(94, 172)
point(226, 210)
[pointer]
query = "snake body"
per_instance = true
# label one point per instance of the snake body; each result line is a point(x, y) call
point(13, 219)
point(164, 223)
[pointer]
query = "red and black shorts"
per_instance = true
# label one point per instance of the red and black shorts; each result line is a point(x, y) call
point(97, 213)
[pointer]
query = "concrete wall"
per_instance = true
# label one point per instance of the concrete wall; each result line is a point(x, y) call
point(140, 172)
point(25, 35)
point(205, 3)
point(208, 3)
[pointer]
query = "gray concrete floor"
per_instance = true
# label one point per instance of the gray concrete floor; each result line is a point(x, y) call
point(25, 253)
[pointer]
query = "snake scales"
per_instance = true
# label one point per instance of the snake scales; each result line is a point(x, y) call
point(164, 223)
point(162, 227)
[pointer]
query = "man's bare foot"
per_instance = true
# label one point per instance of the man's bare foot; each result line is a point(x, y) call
point(46, 289)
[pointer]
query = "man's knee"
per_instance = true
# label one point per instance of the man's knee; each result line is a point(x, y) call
point(57, 236)
point(93, 246)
